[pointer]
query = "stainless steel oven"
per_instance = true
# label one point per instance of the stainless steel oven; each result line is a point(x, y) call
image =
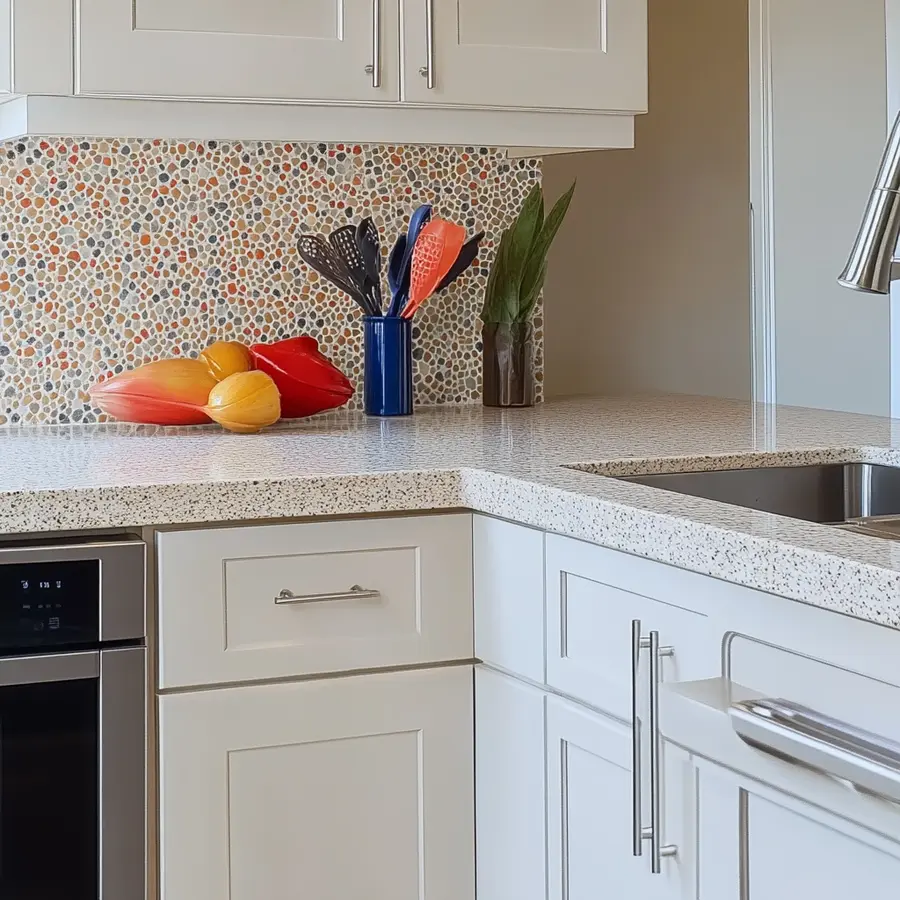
point(73, 721)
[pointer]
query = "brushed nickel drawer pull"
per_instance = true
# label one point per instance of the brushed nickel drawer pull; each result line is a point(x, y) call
point(427, 71)
point(653, 831)
point(374, 69)
point(658, 850)
point(355, 593)
point(636, 806)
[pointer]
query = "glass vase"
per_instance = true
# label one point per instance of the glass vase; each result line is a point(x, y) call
point(508, 364)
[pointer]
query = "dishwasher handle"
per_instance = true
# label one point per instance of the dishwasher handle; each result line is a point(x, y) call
point(800, 735)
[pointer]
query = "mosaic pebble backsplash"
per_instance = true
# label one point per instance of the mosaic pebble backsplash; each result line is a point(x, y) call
point(117, 252)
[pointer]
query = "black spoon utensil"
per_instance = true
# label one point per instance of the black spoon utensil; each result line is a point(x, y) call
point(466, 257)
point(318, 254)
point(343, 242)
point(369, 243)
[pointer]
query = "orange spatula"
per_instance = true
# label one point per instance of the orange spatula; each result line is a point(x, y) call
point(435, 252)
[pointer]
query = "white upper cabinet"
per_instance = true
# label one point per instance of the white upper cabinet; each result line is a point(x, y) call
point(566, 74)
point(232, 49)
point(565, 54)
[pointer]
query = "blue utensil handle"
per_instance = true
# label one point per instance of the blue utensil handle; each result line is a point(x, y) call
point(398, 304)
point(388, 370)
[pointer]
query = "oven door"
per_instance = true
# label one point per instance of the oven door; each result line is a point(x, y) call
point(72, 776)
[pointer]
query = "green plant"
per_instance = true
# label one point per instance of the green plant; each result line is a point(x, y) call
point(520, 267)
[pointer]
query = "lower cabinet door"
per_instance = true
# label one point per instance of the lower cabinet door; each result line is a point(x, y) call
point(590, 811)
point(355, 788)
point(510, 795)
point(757, 842)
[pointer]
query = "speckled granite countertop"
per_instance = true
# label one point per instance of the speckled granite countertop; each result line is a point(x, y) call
point(505, 463)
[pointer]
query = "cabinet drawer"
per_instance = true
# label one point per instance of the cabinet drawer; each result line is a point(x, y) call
point(353, 595)
point(593, 596)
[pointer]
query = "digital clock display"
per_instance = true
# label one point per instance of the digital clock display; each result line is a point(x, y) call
point(49, 604)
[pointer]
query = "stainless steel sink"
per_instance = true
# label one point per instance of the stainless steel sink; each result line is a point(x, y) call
point(830, 494)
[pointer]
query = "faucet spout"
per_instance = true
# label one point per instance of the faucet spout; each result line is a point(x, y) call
point(869, 268)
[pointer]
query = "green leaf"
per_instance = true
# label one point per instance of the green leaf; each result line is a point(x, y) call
point(523, 233)
point(529, 301)
point(494, 301)
point(537, 258)
point(539, 190)
point(504, 284)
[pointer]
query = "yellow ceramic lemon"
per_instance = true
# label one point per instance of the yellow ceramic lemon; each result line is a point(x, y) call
point(244, 402)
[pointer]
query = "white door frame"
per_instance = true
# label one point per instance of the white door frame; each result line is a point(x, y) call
point(762, 201)
point(762, 205)
point(892, 30)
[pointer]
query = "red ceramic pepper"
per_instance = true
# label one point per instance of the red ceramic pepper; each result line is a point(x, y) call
point(306, 379)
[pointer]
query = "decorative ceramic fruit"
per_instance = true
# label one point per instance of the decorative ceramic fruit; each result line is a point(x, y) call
point(245, 402)
point(307, 380)
point(167, 392)
point(224, 358)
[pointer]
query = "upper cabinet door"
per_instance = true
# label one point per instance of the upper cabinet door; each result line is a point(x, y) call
point(550, 54)
point(235, 49)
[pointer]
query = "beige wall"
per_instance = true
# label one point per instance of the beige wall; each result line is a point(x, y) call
point(649, 288)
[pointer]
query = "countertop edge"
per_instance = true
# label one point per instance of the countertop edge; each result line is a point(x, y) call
point(825, 580)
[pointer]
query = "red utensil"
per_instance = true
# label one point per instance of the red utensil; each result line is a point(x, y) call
point(435, 252)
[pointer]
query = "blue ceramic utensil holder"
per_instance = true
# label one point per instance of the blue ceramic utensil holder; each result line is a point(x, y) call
point(388, 372)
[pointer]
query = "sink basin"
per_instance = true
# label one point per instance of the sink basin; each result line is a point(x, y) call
point(830, 494)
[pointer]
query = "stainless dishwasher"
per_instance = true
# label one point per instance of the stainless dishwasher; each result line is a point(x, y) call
point(73, 720)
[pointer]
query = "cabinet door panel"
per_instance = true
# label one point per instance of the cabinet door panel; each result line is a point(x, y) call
point(589, 809)
point(593, 595)
point(783, 847)
point(266, 50)
point(319, 799)
point(796, 852)
point(311, 19)
point(570, 54)
point(340, 789)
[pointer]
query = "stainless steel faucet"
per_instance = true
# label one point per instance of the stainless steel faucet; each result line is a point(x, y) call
point(872, 264)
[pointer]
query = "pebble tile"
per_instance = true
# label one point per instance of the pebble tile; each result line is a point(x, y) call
point(116, 252)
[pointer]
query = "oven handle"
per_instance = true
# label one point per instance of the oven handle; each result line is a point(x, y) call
point(46, 668)
point(123, 773)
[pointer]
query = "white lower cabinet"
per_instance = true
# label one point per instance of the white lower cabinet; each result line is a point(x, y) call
point(756, 842)
point(349, 788)
point(388, 785)
point(510, 795)
point(589, 798)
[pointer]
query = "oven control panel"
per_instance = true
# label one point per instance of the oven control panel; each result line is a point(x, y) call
point(49, 604)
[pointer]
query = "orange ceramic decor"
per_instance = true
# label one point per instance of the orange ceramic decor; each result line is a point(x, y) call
point(167, 392)
point(291, 379)
point(307, 380)
point(225, 358)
